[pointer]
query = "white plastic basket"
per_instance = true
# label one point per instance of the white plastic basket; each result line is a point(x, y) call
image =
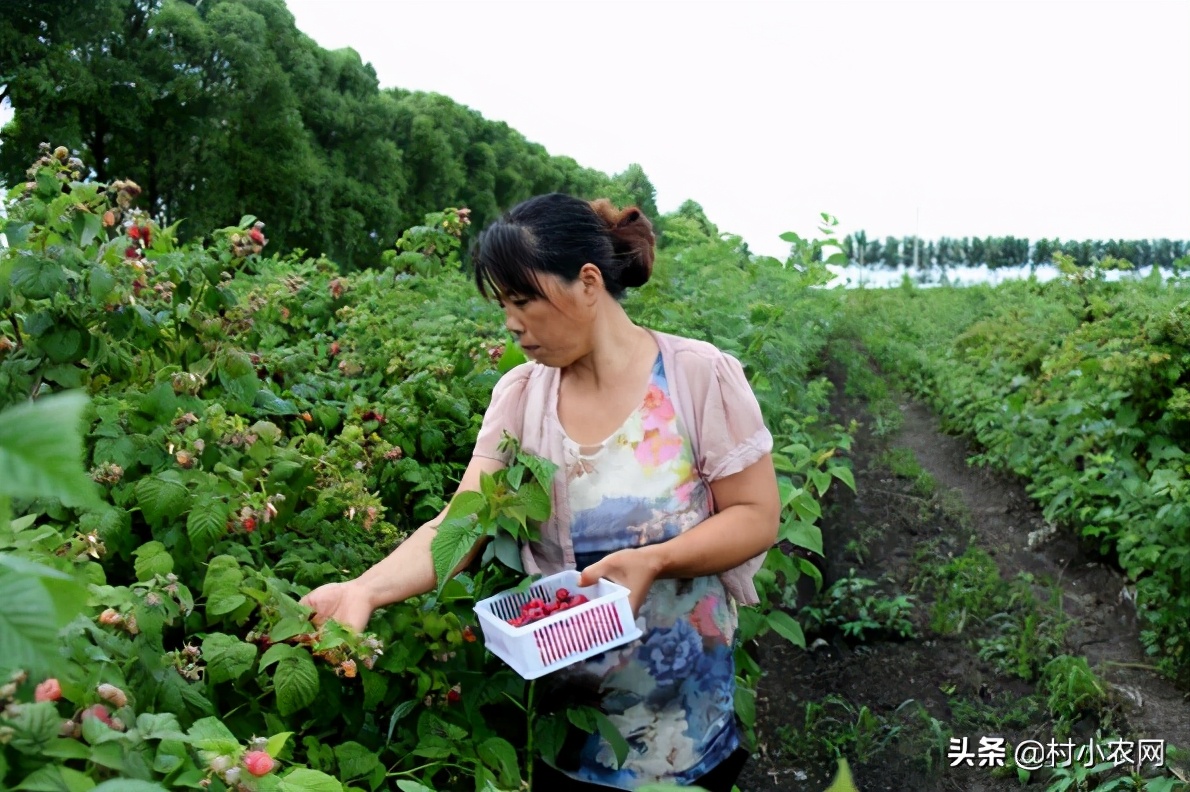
point(562, 638)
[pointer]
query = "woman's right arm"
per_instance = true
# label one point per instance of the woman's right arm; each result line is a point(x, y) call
point(406, 572)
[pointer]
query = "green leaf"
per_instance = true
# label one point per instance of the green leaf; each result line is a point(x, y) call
point(513, 356)
point(30, 618)
point(801, 533)
point(63, 344)
point(162, 497)
point(35, 728)
point(128, 785)
point(276, 743)
point(454, 539)
point(508, 551)
point(842, 782)
point(160, 726)
point(55, 778)
point(41, 451)
point(92, 226)
point(303, 779)
point(412, 786)
point(355, 760)
point(152, 559)
point(295, 682)
point(542, 468)
point(206, 524)
point(745, 706)
point(37, 279)
point(844, 475)
point(609, 732)
point(535, 501)
point(784, 625)
point(499, 754)
point(271, 404)
point(209, 734)
point(227, 657)
point(275, 654)
point(466, 503)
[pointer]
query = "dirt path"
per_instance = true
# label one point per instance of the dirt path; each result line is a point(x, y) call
point(993, 597)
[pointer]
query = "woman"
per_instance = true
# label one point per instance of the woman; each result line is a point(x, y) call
point(665, 485)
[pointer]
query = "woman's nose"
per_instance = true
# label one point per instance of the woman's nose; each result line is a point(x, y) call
point(513, 325)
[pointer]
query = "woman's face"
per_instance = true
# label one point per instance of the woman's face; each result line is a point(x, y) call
point(554, 330)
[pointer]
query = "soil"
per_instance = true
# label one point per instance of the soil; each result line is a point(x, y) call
point(911, 696)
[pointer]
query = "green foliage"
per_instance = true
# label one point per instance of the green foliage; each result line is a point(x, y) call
point(257, 426)
point(845, 606)
point(1079, 386)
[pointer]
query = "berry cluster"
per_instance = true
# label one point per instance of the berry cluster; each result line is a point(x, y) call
point(537, 609)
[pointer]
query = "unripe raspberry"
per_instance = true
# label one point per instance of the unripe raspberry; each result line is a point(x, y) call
point(232, 776)
point(112, 617)
point(112, 694)
point(220, 764)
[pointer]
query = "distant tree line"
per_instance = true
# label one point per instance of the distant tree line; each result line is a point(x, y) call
point(221, 107)
point(996, 252)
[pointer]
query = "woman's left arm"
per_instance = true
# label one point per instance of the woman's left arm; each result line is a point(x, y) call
point(745, 525)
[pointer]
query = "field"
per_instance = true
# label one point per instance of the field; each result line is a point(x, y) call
point(194, 435)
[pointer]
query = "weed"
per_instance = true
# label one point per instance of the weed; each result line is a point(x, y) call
point(903, 464)
point(1073, 690)
point(834, 728)
point(968, 588)
point(860, 616)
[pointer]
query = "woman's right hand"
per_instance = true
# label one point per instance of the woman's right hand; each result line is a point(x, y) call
point(346, 603)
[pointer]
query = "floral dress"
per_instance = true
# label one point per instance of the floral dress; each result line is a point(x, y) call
point(671, 692)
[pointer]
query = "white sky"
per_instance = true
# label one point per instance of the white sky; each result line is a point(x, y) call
point(1067, 119)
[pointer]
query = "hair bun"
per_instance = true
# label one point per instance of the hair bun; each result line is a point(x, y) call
point(632, 238)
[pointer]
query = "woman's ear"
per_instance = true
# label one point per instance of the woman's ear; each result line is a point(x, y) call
point(591, 278)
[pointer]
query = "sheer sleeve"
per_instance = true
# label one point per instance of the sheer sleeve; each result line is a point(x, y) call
point(733, 435)
point(504, 413)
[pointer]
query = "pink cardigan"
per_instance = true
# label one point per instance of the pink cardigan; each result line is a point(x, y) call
point(709, 392)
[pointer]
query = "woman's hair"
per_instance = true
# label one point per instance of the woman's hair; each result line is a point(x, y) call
point(557, 234)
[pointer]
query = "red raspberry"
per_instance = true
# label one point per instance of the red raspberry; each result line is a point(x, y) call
point(550, 607)
point(536, 602)
point(578, 599)
point(249, 524)
point(256, 236)
point(562, 595)
point(258, 763)
point(49, 690)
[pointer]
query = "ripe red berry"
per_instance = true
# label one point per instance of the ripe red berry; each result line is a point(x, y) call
point(256, 236)
point(578, 599)
point(249, 524)
point(550, 607)
point(562, 595)
point(536, 602)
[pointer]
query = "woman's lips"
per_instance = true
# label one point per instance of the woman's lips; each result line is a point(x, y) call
point(531, 348)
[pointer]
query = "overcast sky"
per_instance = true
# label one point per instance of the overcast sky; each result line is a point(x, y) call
point(1067, 119)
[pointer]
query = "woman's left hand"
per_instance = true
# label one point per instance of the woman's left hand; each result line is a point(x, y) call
point(634, 568)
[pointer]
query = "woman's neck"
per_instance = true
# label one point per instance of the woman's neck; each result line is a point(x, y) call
point(616, 348)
